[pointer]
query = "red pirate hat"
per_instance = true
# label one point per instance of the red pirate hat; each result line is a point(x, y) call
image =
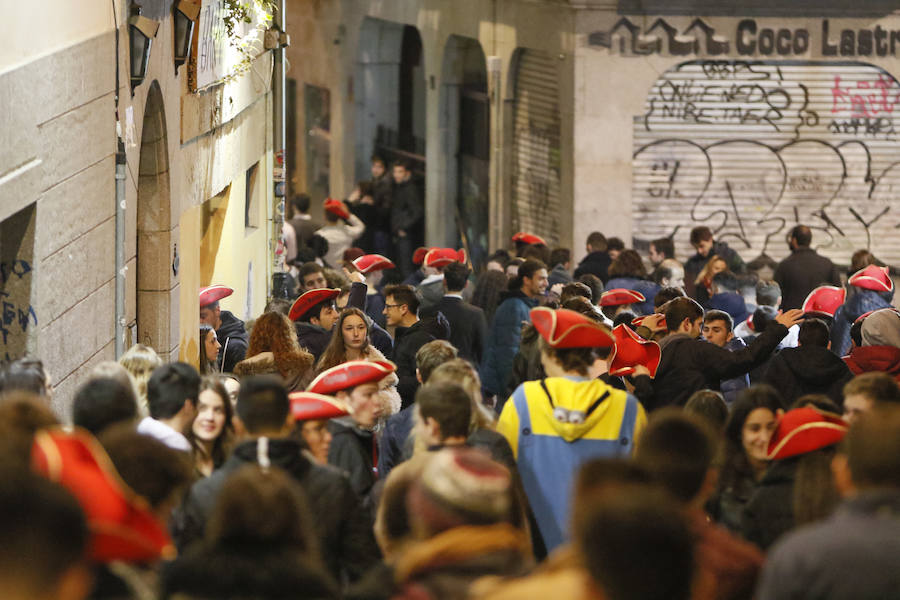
point(309, 299)
point(619, 296)
point(803, 430)
point(749, 323)
point(418, 256)
point(214, 293)
point(563, 328)
point(371, 263)
point(121, 522)
point(631, 350)
point(528, 238)
point(872, 278)
point(350, 374)
point(441, 257)
point(337, 208)
point(824, 300)
point(308, 406)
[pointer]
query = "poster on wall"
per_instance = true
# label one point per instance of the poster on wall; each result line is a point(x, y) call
point(219, 55)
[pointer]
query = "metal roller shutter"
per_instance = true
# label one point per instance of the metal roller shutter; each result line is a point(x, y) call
point(752, 148)
point(535, 172)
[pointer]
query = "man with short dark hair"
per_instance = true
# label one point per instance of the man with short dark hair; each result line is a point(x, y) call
point(468, 326)
point(718, 329)
point(401, 307)
point(706, 246)
point(560, 259)
point(810, 368)
point(804, 270)
point(660, 250)
point(311, 276)
point(678, 450)
point(688, 364)
point(597, 260)
point(443, 414)
point(726, 296)
point(867, 391)
point(506, 328)
point(264, 423)
point(101, 402)
point(854, 553)
point(172, 393)
point(301, 223)
point(407, 216)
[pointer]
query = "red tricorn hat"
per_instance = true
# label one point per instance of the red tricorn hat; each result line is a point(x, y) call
point(620, 296)
point(309, 299)
point(308, 406)
point(824, 300)
point(121, 523)
point(803, 430)
point(371, 263)
point(563, 328)
point(418, 256)
point(632, 350)
point(350, 374)
point(874, 278)
point(528, 238)
point(214, 293)
point(337, 208)
point(441, 257)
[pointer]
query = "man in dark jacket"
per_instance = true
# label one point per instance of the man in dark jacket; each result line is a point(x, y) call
point(597, 260)
point(468, 326)
point(344, 528)
point(407, 216)
point(230, 330)
point(811, 368)
point(706, 246)
point(506, 328)
point(804, 270)
point(402, 310)
point(314, 315)
point(688, 364)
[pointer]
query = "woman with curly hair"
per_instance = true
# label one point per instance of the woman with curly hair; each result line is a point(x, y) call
point(212, 433)
point(274, 349)
point(350, 341)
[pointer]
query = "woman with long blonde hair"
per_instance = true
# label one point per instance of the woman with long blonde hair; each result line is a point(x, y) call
point(140, 361)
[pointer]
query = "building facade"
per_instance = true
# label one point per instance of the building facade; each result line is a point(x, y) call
point(197, 201)
point(638, 119)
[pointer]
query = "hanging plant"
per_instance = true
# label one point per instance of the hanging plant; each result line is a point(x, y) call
point(237, 16)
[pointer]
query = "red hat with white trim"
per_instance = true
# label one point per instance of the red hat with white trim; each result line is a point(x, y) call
point(309, 299)
point(441, 257)
point(350, 374)
point(873, 278)
point(418, 256)
point(122, 524)
point(803, 430)
point(563, 328)
point(824, 300)
point(371, 263)
point(309, 406)
point(337, 208)
point(528, 238)
point(214, 293)
point(620, 296)
point(632, 350)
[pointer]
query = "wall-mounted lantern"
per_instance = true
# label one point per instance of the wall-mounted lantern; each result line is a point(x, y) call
point(185, 17)
point(141, 32)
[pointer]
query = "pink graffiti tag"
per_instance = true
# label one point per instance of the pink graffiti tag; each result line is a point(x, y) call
point(867, 99)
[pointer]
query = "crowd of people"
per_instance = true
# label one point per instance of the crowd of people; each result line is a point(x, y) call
point(630, 427)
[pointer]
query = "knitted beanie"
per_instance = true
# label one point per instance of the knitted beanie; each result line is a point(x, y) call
point(458, 487)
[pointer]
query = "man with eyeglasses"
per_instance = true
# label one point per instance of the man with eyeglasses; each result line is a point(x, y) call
point(402, 311)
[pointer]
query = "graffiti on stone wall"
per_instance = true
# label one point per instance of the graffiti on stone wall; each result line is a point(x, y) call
point(15, 317)
point(751, 148)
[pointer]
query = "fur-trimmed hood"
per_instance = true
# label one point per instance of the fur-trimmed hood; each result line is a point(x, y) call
point(296, 368)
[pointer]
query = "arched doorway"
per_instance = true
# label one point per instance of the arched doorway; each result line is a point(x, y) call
point(465, 127)
point(157, 279)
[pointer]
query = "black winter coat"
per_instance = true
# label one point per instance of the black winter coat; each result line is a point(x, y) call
point(808, 370)
point(407, 341)
point(688, 365)
point(468, 326)
point(312, 337)
point(802, 272)
point(352, 451)
point(234, 339)
point(595, 263)
point(407, 209)
point(770, 511)
point(344, 528)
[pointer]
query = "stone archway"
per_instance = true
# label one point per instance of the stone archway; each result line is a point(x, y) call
point(157, 280)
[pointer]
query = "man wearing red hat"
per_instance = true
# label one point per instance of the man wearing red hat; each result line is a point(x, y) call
point(804, 269)
point(468, 326)
point(556, 423)
point(431, 289)
point(341, 228)
point(868, 289)
point(314, 316)
point(230, 331)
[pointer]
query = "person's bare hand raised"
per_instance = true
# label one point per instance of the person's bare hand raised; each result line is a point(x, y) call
point(789, 318)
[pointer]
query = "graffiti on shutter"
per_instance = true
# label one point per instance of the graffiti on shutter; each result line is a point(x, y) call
point(535, 172)
point(751, 149)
